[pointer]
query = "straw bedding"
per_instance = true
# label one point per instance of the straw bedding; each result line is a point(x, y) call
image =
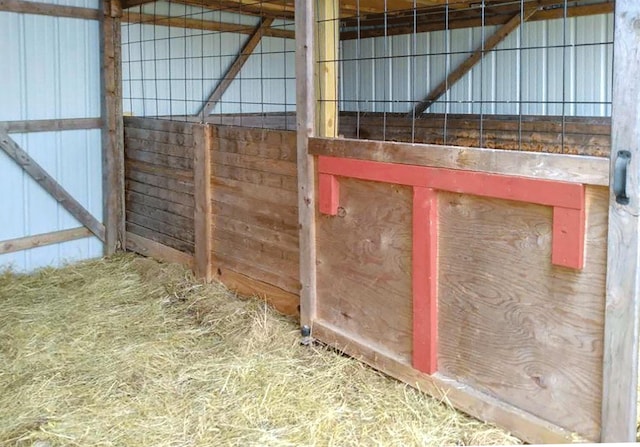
point(129, 351)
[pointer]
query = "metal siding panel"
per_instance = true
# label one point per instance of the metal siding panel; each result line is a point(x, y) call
point(56, 75)
point(400, 77)
point(527, 67)
point(439, 65)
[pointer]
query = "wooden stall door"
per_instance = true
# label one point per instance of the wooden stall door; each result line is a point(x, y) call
point(487, 287)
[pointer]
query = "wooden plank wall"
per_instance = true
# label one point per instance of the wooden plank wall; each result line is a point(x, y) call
point(568, 135)
point(159, 182)
point(255, 213)
point(551, 134)
point(252, 225)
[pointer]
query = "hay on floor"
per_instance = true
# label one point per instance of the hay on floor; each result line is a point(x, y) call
point(128, 351)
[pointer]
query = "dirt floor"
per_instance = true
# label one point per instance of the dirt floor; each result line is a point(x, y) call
point(130, 352)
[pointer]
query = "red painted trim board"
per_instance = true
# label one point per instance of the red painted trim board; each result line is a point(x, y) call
point(425, 279)
point(568, 229)
point(569, 220)
point(521, 189)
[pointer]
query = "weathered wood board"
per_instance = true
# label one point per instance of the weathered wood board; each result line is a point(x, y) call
point(511, 325)
point(254, 213)
point(159, 187)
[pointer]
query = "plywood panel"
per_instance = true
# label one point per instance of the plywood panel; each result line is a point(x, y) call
point(364, 266)
point(513, 325)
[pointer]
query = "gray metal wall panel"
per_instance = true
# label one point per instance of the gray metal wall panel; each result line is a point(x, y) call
point(55, 75)
point(524, 75)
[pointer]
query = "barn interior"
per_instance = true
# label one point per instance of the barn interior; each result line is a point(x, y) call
point(424, 185)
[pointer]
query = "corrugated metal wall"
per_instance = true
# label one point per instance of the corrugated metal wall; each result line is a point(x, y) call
point(172, 71)
point(389, 74)
point(50, 70)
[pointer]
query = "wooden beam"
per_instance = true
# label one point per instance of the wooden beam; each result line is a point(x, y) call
point(234, 69)
point(460, 21)
point(24, 126)
point(305, 128)
point(49, 184)
point(41, 240)
point(206, 25)
point(620, 375)
point(203, 139)
point(328, 25)
point(556, 167)
point(47, 9)
point(457, 74)
point(254, 9)
point(113, 127)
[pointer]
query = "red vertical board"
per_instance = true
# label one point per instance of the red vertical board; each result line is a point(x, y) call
point(425, 279)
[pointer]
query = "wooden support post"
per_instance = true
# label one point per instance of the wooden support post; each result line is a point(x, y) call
point(620, 374)
point(204, 137)
point(235, 68)
point(472, 60)
point(50, 185)
point(328, 26)
point(305, 120)
point(113, 127)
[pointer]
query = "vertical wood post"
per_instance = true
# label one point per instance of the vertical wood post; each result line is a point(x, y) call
point(305, 127)
point(113, 127)
point(203, 139)
point(327, 44)
point(620, 373)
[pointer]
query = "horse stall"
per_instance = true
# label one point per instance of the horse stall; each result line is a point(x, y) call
point(444, 190)
point(442, 212)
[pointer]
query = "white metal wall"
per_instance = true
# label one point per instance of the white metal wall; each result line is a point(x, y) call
point(172, 71)
point(50, 70)
point(378, 75)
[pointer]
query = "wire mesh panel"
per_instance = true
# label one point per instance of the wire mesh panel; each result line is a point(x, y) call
point(513, 74)
point(209, 61)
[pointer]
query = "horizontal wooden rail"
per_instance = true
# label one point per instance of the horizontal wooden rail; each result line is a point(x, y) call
point(42, 240)
point(543, 166)
point(51, 125)
point(567, 199)
point(47, 9)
